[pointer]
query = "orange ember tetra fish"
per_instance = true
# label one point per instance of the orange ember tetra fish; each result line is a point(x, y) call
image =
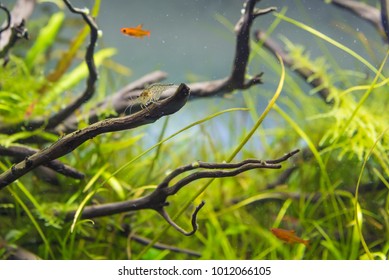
point(288, 236)
point(135, 31)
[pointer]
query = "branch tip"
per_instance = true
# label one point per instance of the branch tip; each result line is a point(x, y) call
point(167, 218)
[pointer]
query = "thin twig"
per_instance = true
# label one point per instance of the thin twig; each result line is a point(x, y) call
point(21, 11)
point(165, 215)
point(8, 19)
point(18, 31)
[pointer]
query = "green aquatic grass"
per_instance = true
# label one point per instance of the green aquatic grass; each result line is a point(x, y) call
point(71, 79)
point(45, 39)
point(30, 215)
point(357, 210)
point(325, 199)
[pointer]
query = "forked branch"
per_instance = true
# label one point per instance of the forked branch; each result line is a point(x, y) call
point(237, 78)
point(157, 200)
point(17, 31)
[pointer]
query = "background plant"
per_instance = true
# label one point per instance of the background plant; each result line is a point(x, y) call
point(334, 193)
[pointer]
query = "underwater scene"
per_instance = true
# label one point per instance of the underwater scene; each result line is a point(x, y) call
point(194, 130)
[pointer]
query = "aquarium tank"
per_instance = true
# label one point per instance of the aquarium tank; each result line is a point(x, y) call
point(194, 130)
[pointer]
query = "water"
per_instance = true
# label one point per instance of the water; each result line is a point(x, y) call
point(190, 44)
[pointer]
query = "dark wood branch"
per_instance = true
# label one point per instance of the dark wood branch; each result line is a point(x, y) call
point(365, 11)
point(20, 12)
point(7, 23)
point(157, 199)
point(165, 215)
point(71, 141)
point(13, 252)
point(303, 72)
point(208, 165)
point(22, 152)
point(222, 173)
point(18, 31)
point(237, 78)
point(385, 18)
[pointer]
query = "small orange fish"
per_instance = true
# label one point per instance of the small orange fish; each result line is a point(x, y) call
point(288, 236)
point(135, 31)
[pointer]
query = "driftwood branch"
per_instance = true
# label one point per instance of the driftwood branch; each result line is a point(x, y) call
point(16, 32)
point(21, 152)
point(20, 12)
point(7, 23)
point(71, 141)
point(365, 11)
point(237, 78)
point(157, 200)
point(165, 215)
point(13, 252)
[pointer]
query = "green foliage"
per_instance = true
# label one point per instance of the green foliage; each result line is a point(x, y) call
point(16, 96)
point(74, 77)
point(337, 195)
point(45, 39)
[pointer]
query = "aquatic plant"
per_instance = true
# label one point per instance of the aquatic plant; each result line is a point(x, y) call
point(77, 181)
